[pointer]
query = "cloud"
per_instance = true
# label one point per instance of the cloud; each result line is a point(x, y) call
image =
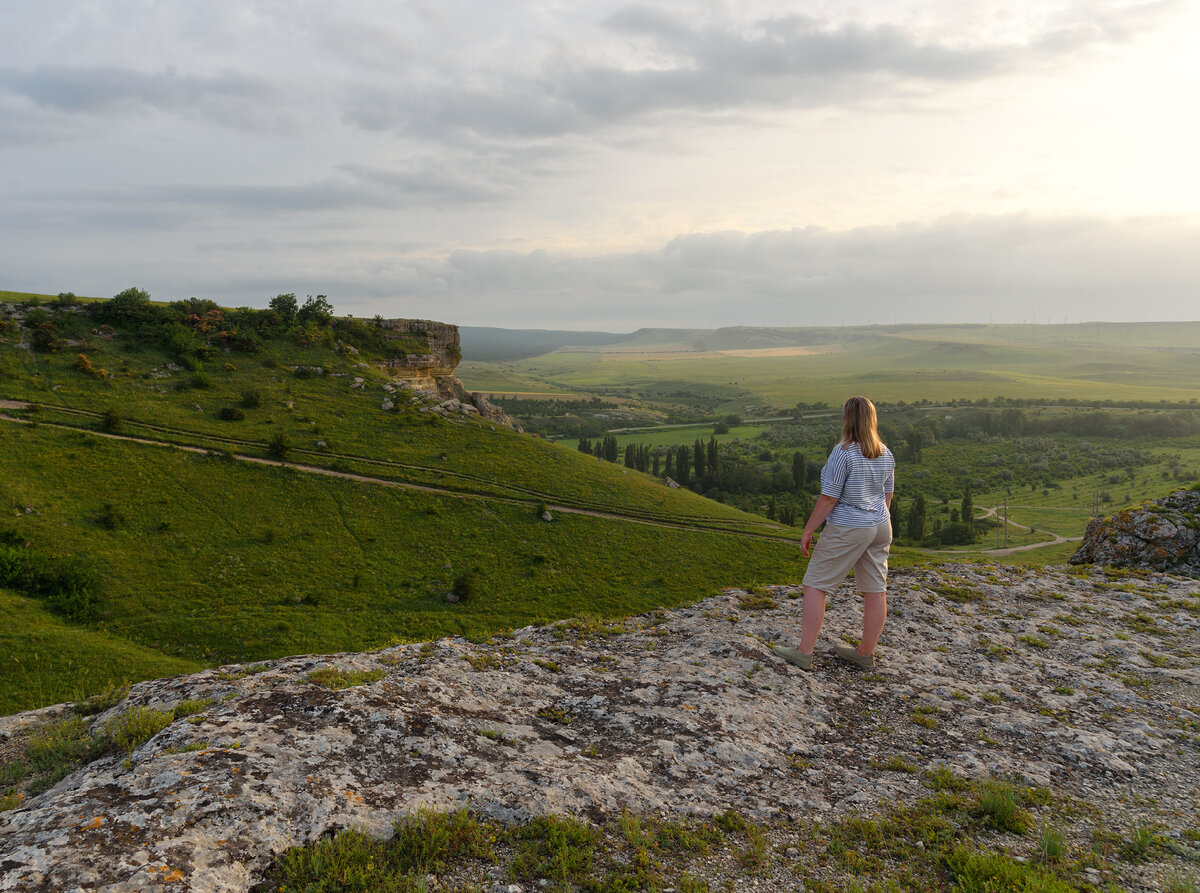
point(684, 67)
point(969, 269)
point(1005, 268)
point(422, 181)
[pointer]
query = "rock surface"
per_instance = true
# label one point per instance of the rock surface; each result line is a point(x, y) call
point(1163, 535)
point(1084, 682)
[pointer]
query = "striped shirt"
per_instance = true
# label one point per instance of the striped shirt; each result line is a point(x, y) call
point(859, 485)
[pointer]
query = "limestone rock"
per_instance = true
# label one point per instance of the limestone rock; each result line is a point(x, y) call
point(677, 711)
point(1163, 535)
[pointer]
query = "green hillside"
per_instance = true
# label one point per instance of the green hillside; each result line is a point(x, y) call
point(198, 556)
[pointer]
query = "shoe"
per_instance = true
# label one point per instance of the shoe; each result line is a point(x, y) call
point(850, 653)
point(794, 657)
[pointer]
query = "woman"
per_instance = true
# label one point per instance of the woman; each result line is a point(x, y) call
point(856, 493)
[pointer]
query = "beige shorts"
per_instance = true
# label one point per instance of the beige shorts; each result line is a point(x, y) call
point(840, 549)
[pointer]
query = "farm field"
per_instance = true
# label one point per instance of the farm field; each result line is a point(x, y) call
point(1088, 361)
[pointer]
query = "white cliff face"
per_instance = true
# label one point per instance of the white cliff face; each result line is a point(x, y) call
point(1081, 683)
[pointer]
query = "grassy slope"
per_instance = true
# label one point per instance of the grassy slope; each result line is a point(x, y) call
point(479, 457)
point(47, 661)
point(219, 561)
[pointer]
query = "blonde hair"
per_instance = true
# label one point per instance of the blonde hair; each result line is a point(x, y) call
point(860, 425)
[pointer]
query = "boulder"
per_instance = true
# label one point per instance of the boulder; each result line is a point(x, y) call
point(1163, 535)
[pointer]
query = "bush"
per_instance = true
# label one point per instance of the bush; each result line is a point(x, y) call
point(251, 399)
point(110, 518)
point(69, 586)
point(466, 587)
point(955, 533)
point(111, 421)
point(303, 372)
point(279, 446)
point(231, 414)
point(45, 338)
point(201, 380)
point(138, 725)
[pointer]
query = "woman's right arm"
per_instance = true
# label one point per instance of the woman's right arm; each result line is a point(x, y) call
point(820, 512)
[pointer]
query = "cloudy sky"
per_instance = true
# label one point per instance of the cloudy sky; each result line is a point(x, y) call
point(610, 164)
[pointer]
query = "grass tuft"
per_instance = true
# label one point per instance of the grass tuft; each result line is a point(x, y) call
point(137, 725)
point(337, 678)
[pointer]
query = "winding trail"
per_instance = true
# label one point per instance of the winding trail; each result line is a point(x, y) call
point(386, 482)
point(1011, 550)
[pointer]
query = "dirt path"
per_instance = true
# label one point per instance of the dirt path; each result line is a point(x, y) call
point(385, 482)
point(1029, 547)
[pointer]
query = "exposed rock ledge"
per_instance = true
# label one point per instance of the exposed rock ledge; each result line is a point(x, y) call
point(1087, 684)
point(1163, 535)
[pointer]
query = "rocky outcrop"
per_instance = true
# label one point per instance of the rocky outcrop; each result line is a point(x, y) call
point(1163, 535)
point(440, 354)
point(429, 372)
point(1074, 682)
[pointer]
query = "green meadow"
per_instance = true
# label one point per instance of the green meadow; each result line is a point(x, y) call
point(201, 558)
point(1086, 361)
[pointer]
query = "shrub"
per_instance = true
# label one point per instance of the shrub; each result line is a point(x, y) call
point(59, 742)
point(45, 338)
point(279, 446)
point(98, 703)
point(303, 372)
point(112, 421)
point(110, 518)
point(68, 585)
point(997, 808)
point(427, 841)
point(251, 399)
point(987, 872)
point(138, 725)
point(201, 380)
point(231, 414)
point(559, 848)
point(466, 587)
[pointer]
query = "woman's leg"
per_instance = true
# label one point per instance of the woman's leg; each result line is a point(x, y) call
point(874, 615)
point(811, 618)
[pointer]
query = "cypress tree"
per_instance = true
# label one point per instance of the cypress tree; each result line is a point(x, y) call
point(968, 506)
point(714, 461)
point(585, 445)
point(771, 510)
point(630, 460)
point(916, 518)
point(669, 471)
point(656, 465)
point(799, 470)
point(681, 464)
point(698, 457)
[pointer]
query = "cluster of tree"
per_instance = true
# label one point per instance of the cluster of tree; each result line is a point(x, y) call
point(723, 472)
point(911, 523)
point(1015, 422)
point(194, 329)
point(604, 448)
